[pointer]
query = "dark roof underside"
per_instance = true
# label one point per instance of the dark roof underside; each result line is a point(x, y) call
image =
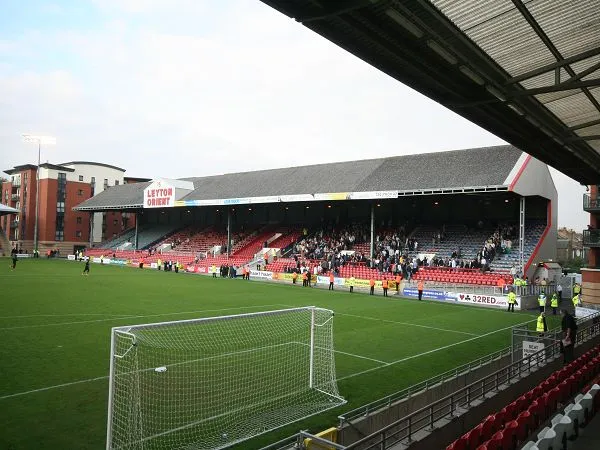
point(527, 71)
point(446, 170)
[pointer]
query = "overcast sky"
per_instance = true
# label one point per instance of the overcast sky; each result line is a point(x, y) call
point(175, 88)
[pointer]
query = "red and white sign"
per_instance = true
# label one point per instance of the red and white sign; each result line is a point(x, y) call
point(159, 195)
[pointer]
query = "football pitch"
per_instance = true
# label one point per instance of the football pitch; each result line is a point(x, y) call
point(55, 330)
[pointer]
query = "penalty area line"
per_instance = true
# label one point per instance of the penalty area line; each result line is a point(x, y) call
point(435, 350)
point(410, 324)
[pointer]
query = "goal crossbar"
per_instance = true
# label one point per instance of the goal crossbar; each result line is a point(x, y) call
point(129, 328)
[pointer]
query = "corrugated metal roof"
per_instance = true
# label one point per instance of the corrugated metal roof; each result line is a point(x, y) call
point(525, 36)
point(116, 197)
point(444, 170)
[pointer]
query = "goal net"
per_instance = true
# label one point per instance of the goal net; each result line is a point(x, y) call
point(212, 382)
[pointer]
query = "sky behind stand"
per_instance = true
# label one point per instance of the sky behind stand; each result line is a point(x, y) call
point(175, 88)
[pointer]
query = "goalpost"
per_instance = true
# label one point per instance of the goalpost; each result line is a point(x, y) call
point(210, 383)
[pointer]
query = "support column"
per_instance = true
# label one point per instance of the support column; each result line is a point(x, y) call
point(372, 251)
point(91, 229)
point(135, 242)
point(522, 235)
point(229, 231)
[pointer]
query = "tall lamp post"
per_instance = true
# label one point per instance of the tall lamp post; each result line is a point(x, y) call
point(39, 140)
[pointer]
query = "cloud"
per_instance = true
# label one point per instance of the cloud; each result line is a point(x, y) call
point(189, 88)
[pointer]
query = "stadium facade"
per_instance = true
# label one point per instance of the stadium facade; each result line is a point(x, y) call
point(62, 187)
point(472, 187)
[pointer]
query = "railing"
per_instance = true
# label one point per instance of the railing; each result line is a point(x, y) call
point(591, 238)
point(590, 203)
point(366, 410)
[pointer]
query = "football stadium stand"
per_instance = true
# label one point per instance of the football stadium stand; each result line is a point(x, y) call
point(416, 206)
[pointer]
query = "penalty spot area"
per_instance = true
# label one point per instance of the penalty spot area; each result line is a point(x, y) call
point(161, 369)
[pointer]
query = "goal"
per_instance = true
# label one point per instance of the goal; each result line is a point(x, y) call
point(212, 382)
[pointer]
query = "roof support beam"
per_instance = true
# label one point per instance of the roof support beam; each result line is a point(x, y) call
point(593, 137)
point(553, 66)
point(584, 73)
point(566, 86)
point(585, 125)
point(548, 43)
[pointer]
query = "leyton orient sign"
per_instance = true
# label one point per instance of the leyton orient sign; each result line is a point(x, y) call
point(159, 195)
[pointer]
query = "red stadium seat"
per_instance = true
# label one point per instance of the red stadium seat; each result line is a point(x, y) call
point(509, 440)
point(525, 422)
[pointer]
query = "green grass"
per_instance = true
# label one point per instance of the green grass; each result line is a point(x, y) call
point(55, 329)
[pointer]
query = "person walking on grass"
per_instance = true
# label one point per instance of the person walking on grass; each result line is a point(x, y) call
point(384, 284)
point(351, 282)
point(371, 286)
point(554, 303)
point(331, 280)
point(398, 281)
point(541, 327)
point(420, 287)
point(542, 301)
point(86, 268)
point(14, 261)
point(512, 300)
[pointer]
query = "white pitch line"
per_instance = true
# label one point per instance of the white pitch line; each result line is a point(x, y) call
point(430, 351)
point(407, 323)
point(56, 386)
point(345, 353)
point(132, 317)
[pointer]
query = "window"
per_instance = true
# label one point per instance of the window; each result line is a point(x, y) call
point(115, 222)
point(59, 236)
point(78, 233)
point(60, 207)
point(106, 183)
point(80, 192)
point(80, 177)
point(93, 184)
point(79, 220)
point(116, 182)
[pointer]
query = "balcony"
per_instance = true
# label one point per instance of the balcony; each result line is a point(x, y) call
point(591, 238)
point(15, 197)
point(16, 182)
point(591, 204)
point(14, 224)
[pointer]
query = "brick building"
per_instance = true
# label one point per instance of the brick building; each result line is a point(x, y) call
point(62, 187)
